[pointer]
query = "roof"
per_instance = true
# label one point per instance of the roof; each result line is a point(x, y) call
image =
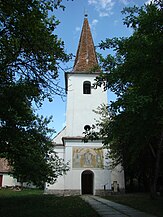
point(4, 167)
point(57, 140)
point(78, 138)
point(86, 56)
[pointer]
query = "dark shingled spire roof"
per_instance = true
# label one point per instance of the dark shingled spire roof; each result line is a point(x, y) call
point(86, 57)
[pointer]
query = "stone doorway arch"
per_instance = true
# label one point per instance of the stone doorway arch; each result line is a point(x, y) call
point(87, 181)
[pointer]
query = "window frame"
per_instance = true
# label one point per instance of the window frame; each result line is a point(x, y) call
point(86, 87)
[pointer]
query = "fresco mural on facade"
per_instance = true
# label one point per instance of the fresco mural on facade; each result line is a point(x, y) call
point(87, 157)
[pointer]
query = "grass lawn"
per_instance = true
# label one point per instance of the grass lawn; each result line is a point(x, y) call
point(32, 203)
point(141, 202)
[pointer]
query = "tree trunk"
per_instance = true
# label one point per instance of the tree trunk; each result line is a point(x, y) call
point(153, 189)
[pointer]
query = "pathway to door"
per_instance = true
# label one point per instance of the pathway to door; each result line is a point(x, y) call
point(107, 208)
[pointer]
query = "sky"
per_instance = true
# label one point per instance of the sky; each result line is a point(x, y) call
point(105, 20)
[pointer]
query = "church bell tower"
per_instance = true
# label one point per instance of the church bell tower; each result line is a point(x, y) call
point(82, 98)
point(89, 167)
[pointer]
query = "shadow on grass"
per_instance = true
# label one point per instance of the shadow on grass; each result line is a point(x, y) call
point(142, 202)
point(28, 204)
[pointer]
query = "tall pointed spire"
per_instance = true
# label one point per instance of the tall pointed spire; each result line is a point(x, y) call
point(86, 56)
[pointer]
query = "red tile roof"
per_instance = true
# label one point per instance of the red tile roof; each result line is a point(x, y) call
point(86, 56)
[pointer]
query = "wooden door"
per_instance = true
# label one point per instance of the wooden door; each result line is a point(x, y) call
point(87, 182)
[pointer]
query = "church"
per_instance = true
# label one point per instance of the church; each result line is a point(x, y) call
point(89, 164)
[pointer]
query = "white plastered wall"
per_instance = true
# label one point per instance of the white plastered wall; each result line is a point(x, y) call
point(72, 180)
point(80, 106)
point(8, 180)
point(59, 184)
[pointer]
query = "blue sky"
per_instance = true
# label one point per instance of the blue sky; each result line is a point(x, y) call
point(105, 20)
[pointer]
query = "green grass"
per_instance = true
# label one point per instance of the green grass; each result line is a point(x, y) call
point(141, 202)
point(13, 193)
point(32, 203)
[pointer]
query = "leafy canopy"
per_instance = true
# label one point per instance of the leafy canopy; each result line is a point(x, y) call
point(134, 128)
point(30, 58)
point(29, 48)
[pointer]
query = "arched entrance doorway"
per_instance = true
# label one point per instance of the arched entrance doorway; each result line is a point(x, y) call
point(87, 182)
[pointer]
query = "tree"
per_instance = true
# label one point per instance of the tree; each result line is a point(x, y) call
point(25, 137)
point(134, 133)
point(29, 49)
point(30, 57)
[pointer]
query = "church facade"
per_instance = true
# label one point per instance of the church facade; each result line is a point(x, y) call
point(89, 164)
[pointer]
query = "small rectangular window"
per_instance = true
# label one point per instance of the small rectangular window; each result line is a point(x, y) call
point(87, 87)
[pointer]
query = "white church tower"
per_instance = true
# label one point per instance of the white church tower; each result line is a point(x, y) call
point(89, 166)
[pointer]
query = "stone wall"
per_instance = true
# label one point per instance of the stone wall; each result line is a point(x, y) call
point(62, 192)
point(70, 192)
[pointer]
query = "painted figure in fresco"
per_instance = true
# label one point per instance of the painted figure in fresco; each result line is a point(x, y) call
point(87, 157)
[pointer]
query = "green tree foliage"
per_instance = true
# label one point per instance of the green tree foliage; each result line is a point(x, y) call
point(25, 137)
point(134, 129)
point(29, 49)
point(30, 57)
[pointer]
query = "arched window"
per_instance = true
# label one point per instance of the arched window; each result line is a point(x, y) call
point(87, 87)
